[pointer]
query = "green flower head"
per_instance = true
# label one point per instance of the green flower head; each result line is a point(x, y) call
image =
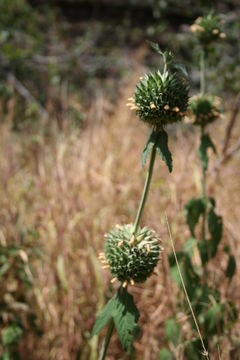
point(208, 29)
point(161, 98)
point(131, 258)
point(204, 109)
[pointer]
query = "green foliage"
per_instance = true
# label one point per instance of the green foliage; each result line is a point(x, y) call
point(193, 210)
point(16, 281)
point(123, 311)
point(173, 331)
point(231, 267)
point(206, 143)
point(215, 316)
point(11, 335)
point(160, 140)
point(165, 354)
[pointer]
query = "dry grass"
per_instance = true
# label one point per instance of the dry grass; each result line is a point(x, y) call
point(72, 188)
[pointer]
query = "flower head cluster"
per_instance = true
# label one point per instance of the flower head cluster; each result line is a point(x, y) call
point(204, 109)
point(208, 29)
point(161, 99)
point(131, 258)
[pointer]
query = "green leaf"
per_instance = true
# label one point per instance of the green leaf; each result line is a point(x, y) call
point(155, 47)
point(162, 148)
point(125, 317)
point(148, 147)
point(165, 354)
point(206, 143)
point(194, 351)
point(104, 316)
point(193, 210)
point(215, 227)
point(189, 246)
point(11, 334)
point(231, 267)
point(180, 68)
point(160, 139)
point(173, 331)
point(214, 319)
point(190, 276)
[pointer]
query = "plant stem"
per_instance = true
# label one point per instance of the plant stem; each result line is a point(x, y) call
point(106, 340)
point(203, 73)
point(145, 190)
point(203, 90)
point(203, 195)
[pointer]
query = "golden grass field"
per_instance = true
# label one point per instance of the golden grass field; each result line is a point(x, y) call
point(74, 186)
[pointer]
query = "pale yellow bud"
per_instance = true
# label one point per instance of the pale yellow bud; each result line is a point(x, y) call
point(131, 241)
point(113, 280)
point(222, 35)
point(215, 31)
point(120, 244)
point(152, 106)
point(125, 284)
point(166, 107)
point(176, 109)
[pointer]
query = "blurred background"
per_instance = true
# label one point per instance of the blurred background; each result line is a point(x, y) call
point(70, 166)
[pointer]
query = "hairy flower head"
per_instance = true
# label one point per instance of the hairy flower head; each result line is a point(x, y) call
point(208, 29)
point(204, 109)
point(161, 99)
point(131, 258)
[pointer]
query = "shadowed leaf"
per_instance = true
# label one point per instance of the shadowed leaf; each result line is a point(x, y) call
point(206, 143)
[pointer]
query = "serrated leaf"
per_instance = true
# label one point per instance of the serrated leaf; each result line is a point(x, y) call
point(105, 316)
point(215, 227)
point(180, 68)
point(165, 354)
point(125, 317)
point(155, 47)
point(231, 267)
point(163, 150)
point(193, 210)
point(160, 139)
point(148, 147)
point(173, 331)
point(206, 143)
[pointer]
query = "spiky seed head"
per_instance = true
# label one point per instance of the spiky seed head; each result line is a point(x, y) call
point(204, 109)
point(208, 29)
point(132, 263)
point(161, 99)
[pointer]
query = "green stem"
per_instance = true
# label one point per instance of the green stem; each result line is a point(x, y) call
point(203, 73)
point(203, 196)
point(145, 190)
point(106, 340)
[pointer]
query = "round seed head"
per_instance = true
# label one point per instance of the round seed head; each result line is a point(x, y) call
point(208, 29)
point(161, 99)
point(204, 109)
point(134, 261)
